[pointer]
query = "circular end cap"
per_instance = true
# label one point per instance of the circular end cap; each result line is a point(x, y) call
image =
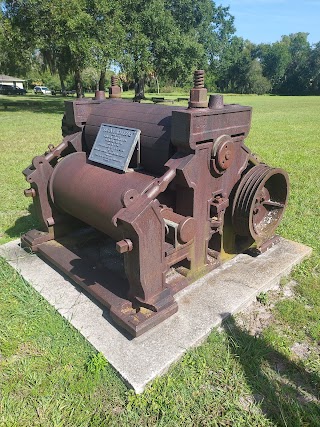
point(186, 230)
point(223, 153)
point(128, 197)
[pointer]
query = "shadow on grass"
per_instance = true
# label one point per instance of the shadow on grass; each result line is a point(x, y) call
point(23, 224)
point(80, 268)
point(48, 105)
point(288, 394)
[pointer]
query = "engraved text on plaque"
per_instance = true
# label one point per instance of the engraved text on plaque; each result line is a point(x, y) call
point(114, 146)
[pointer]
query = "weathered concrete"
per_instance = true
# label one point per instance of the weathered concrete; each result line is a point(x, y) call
point(202, 306)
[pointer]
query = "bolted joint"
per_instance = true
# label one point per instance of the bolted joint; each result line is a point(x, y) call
point(50, 222)
point(30, 192)
point(198, 94)
point(198, 79)
point(198, 98)
point(124, 246)
point(114, 89)
point(114, 80)
point(115, 92)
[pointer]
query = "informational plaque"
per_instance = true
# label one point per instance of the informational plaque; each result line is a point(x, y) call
point(114, 146)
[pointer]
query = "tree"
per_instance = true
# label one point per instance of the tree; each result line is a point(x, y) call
point(275, 59)
point(175, 51)
point(287, 64)
point(16, 56)
point(70, 34)
point(315, 69)
point(168, 39)
point(59, 29)
point(257, 82)
point(211, 25)
point(107, 36)
point(297, 76)
point(239, 70)
point(165, 39)
point(232, 67)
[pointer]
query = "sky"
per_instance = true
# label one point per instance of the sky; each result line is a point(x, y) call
point(265, 21)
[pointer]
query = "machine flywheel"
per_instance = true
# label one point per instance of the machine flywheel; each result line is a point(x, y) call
point(259, 202)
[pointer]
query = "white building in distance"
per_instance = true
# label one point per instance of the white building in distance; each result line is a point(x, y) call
point(11, 81)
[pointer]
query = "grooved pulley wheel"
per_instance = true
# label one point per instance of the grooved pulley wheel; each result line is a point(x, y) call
point(259, 202)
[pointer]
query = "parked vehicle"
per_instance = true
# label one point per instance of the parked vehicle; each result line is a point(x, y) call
point(11, 90)
point(43, 90)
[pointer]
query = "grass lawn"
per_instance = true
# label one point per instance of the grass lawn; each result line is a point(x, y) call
point(50, 376)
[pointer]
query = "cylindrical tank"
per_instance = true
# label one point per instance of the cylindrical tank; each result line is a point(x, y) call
point(154, 121)
point(92, 193)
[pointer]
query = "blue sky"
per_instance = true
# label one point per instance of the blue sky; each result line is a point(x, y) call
point(265, 21)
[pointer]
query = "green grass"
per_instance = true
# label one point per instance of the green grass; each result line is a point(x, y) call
point(49, 374)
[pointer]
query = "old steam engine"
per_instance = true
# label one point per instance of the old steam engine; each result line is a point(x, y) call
point(140, 200)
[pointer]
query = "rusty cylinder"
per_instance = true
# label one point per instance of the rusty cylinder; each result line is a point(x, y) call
point(92, 193)
point(154, 122)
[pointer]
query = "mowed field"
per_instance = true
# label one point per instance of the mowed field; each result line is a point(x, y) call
point(50, 376)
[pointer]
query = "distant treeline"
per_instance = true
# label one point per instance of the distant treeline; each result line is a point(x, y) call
point(290, 66)
point(72, 43)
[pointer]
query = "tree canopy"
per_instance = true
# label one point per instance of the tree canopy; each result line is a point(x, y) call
point(165, 40)
point(170, 38)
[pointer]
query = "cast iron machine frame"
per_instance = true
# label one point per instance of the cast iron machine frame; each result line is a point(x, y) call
point(193, 196)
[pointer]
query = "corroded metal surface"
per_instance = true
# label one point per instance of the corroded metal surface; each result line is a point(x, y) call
point(114, 89)
point(195, 197)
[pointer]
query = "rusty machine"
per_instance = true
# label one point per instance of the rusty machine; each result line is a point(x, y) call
point(140, 200)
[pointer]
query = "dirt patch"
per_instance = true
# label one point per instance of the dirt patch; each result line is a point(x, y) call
point(258, 315)
point(255, 319)
point(301, 350)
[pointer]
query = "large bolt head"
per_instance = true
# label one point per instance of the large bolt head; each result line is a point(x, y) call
point(30, 192)
point(123, 246)
point(115, 92)
point(198, 98)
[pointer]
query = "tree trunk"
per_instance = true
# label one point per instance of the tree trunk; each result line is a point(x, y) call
point(141, 84)
point(62, 85)
point(139, 90)
point(102, 80)
point(158, 86)
point(77, 80)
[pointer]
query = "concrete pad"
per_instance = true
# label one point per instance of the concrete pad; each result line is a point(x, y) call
point(202, 306)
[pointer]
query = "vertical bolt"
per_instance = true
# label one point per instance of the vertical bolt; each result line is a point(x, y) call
point(30, 192)
point(114, 89)
point(198, 79)
point(50, 221)
point(124, 246)
point(198, 95)
point(114, 81)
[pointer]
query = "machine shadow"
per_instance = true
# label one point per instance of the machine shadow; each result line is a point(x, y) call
point(23, 224)
point(79, 268)
point(288, 395)
point(105, 312)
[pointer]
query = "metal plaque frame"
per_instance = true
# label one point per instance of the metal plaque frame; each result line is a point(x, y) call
point(115, 145)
